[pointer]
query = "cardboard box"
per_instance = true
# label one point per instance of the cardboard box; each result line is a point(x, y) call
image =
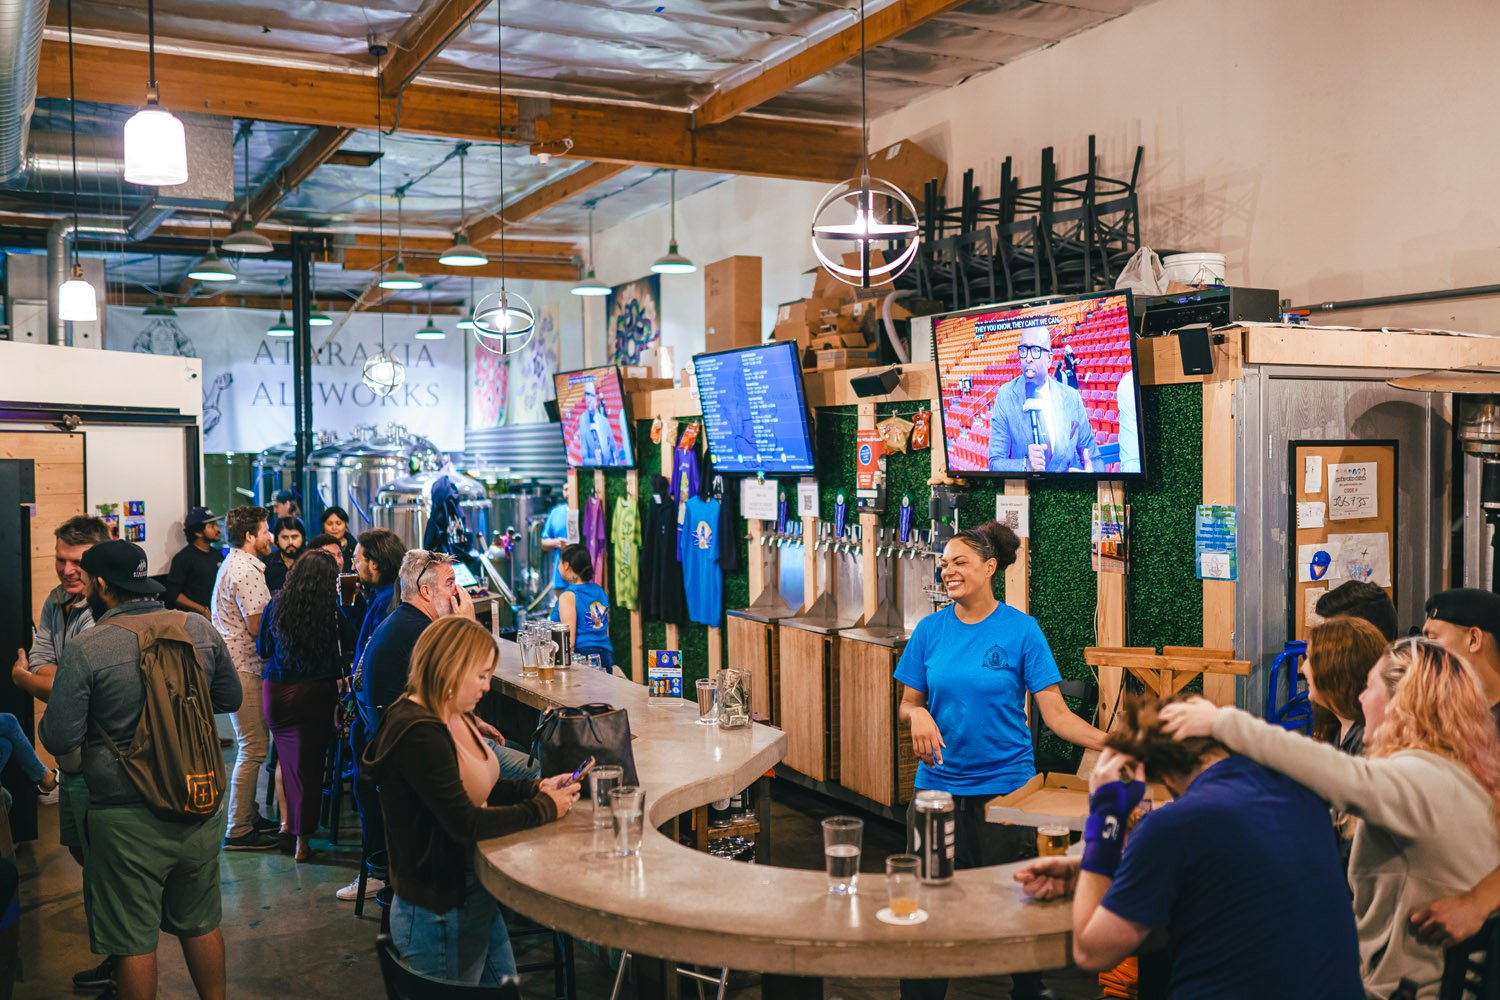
point(792, 322)
point(909, 167)
point(838, 359)
point(731, 303)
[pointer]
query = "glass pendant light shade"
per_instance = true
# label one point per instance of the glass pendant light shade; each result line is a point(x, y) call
point(319, 318)
point(383, 374)
point(211, 268)
point(673, 262)
point(75, 299)
point(155, 148)
point(245, 239)
point(591, 286)
point(400, 279)
point(462, 254)
point(159, 310)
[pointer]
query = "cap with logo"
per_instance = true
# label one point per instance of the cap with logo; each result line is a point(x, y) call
point(197, 516)
point(122, 565)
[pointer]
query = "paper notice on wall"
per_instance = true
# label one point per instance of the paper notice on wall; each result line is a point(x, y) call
point(1215, 542)
point(1362, 557)
point(1352, 493)
point(1015, 513)
point(1313, 562)
point(758, 499)
point(807, 498)
point(1312, 474)
point(1311, 515)
point(1311, 596)
point(573, 526)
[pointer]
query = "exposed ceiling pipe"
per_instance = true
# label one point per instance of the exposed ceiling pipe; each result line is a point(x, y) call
point(59, 239)
point(21, 24)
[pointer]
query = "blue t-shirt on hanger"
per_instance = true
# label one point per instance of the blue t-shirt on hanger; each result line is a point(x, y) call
point(698, 551)
point(976, 678)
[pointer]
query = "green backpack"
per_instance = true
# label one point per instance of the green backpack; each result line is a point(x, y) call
point(173, 759)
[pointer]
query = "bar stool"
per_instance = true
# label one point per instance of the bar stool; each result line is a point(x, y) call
point(403, 984)
point(1471, 969)
point(721, 981)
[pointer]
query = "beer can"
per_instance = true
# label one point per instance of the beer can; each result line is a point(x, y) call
point(934, 835)
point(562, 636)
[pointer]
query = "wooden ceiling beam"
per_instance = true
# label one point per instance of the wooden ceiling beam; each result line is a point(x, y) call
point(370, 260)
point(613, 133)
point(313, 154)
point(271, 302)
point(820, 57)
point(431, 246)
point(423, 36)
point(534, 204)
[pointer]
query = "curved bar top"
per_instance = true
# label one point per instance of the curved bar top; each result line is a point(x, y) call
point(675, 903)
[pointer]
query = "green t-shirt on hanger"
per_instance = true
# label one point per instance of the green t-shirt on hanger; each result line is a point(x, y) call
point(626, 525)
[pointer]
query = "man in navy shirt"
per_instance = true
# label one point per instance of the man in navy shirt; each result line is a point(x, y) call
point(1241, 872)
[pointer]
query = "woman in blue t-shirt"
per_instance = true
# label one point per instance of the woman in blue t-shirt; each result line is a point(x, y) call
point(967, 670)
point(584, 606)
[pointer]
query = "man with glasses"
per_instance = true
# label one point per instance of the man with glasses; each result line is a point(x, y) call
point(1039, 424)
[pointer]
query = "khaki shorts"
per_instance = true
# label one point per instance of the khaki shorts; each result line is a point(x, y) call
point(146, 875)
point(72, 807)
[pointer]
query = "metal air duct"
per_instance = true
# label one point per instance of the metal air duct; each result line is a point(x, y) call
point(21, 24)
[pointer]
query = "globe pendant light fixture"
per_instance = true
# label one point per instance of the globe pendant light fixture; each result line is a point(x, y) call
point(503, 321)
point(400, 279)
point(75, 297)
point(462, 253)
point(673, 262)
point(591, 286)
point(871, 200)
point(155, 144)
point(382, 373)
point(281, 328)
point(243, 238)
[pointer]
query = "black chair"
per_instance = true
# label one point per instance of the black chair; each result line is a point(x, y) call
point(564, 974)
point(403, 984)
point(1471, 970)
point(1083, 692)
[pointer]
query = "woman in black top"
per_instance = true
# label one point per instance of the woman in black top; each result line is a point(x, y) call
point(336, 523)
point(299, 637)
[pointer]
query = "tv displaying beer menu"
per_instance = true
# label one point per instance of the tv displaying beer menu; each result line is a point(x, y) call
point(754, 409)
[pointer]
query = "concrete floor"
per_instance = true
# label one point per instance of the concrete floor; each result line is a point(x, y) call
point(287, 937)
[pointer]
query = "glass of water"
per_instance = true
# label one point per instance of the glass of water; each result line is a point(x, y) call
point(903, 887)
point(528, 640)
point(602, 780)
point(708, 702)
point(627, 810)
point(595, 662)
point(842, 838)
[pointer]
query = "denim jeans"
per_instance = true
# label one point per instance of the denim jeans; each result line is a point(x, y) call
point(13, 743)
point(515, 765)
point(468, 944)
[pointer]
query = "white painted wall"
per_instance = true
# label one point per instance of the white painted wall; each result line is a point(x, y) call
point(1332, 148)
point(42, 373)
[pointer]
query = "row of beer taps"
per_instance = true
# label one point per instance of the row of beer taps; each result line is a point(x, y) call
point(887, 541)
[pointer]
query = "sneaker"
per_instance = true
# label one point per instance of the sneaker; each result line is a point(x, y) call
point(255, 840)
point(50, 798)
point(350, 892)
point(262, 825)
point(102, 974)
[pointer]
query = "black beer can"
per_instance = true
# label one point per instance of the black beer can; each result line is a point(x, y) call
point(934, 836)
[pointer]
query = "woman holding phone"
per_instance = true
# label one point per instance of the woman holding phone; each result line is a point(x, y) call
point(967, 670)
point(441, 793)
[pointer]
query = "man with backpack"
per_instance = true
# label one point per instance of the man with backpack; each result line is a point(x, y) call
point(137, 693)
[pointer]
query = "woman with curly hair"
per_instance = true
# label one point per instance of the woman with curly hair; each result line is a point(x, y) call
point(1425, 793)
point(299, 639)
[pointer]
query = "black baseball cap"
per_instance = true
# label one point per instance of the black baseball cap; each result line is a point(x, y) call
point(1467, 607)
point(284, 496)
point(197, 516)
point(122, 565)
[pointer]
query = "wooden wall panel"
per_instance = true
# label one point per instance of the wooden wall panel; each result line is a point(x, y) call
point(868, 731)
point(752, 647)
point(805, 702)
point(59, 496)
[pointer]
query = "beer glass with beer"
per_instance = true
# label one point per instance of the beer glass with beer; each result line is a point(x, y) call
point(1052, 841)
point(903, 889)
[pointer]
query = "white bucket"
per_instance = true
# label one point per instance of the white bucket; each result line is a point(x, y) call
point(1194, 268)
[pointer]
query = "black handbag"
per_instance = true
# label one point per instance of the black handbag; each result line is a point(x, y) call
point(566, 737)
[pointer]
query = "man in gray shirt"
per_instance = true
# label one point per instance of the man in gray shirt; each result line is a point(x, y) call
point(145, 874)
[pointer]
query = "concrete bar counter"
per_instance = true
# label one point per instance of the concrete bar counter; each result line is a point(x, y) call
point(674, 903)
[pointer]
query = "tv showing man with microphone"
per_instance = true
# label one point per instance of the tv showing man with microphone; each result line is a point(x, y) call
point(1039, 424)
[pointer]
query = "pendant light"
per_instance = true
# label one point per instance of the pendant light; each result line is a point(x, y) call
point(591, 286)
point(467, 322)
point(673, 262)
point(318, 317)
point(382, 374)
point(504, 321)
point(158, 309)
point(462, 253)
point(155, 144)
point(431, 331)
point(400, 279)
point(281, 328)
point(211, 267)
point(861, 193)
point(76, 302)
point(243, 238)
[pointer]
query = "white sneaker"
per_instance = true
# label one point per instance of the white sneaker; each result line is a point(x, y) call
point(50, 798)
point(350, 892)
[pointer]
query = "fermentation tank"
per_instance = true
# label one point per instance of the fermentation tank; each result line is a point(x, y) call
point(268, 474)
point(405, 506)
point(367, 464)
point(518, 517)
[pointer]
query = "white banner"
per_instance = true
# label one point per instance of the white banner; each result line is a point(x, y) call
point(247, 376)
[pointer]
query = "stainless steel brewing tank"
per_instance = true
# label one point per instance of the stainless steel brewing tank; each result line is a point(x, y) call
point(527, 567)
point(405, 505)
point(365, 466)
point(268, 476)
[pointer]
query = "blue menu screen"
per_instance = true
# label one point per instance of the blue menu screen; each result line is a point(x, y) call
point(753, 409)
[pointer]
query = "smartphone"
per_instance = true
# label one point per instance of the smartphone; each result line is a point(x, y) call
point(582, 772)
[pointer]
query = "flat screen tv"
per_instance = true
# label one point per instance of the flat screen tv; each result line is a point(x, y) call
point(754, 409)
point(1041, 390)
point(595, 419)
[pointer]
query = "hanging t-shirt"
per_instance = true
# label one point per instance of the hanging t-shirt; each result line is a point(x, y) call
point(698, 548)
point(626, 535)
point(976, 678)
point(685, 480)
point(594, 537)
point(662, 598)
point(592, 631)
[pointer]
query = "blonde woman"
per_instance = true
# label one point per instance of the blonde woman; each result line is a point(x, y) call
point(441, 793)
point(1425, 795)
